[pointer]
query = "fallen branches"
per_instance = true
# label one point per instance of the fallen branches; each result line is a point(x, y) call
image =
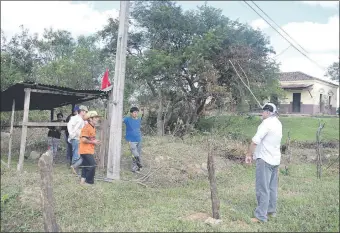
point(146, 176)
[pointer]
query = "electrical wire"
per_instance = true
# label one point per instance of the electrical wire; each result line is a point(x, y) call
point(279, 26)
point(258, 102)
point(282, 52)
point(323, 68)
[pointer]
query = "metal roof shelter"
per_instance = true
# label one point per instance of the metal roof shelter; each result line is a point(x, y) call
point(35, 96)
point(45, 97)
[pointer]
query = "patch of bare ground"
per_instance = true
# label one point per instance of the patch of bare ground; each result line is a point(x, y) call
point(197, 217)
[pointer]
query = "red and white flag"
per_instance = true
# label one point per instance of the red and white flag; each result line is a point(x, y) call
point(105, 81)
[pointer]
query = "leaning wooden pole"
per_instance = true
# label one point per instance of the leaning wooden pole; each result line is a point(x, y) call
point(213, 186)
point(47, 199)
point(24, 128)
point(118, 94)
point(319, 151)
point(11, 136)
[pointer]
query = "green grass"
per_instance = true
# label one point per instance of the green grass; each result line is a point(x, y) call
point(305, 203)
point(301, 128)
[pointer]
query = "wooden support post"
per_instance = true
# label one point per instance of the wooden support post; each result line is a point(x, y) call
point(52, 114)
point(72, 106)
point(212, 179)
point(47, 200)
point(24, 128)
point(11, 136)
point(118, 94)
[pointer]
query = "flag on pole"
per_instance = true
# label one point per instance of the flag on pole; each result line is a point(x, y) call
point(105, 81)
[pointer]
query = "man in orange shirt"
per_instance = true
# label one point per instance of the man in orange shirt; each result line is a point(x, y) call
point(87, 144)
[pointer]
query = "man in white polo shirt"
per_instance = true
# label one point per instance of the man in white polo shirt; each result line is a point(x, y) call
point(265, 147)
point(74, 127)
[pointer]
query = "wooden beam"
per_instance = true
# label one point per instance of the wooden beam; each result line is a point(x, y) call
point(24, 129)
point(115, 141)
point(40, 124)
point(64, 93)
point(11, 135)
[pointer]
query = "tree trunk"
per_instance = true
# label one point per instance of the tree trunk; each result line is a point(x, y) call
point(160, 121)
point(47, 200)
point(213, 187)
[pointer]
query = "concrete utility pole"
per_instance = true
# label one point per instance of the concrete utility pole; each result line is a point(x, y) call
point(115, 140)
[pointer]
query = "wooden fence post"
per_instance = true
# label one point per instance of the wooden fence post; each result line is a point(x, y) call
point(11, 136)
point(212, 179)
point(319, 151)
point(24, 128)
point(47, 200)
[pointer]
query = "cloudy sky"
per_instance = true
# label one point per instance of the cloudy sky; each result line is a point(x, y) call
point(314, 25)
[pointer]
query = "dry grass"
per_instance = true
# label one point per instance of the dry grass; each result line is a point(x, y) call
point(178, 190)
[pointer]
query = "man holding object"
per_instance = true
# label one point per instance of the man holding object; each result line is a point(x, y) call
point(265, 147)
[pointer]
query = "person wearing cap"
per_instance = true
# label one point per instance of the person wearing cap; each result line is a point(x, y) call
point(69, 145)
point(54, 135)
point(74, 127)
point(87, 145)
point(134, 137)
point(265, 148)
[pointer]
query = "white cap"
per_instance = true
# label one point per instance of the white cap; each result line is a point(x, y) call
point(266, 107)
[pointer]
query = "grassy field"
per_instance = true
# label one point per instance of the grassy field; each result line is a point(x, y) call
point(304, 205)
point(179, 191)
point(301, 128)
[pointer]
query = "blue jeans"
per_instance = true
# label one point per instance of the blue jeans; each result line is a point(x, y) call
point(136, 150)
point(54, 143)
point(76, 159)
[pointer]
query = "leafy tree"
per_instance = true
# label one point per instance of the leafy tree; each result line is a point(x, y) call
point(333, 71)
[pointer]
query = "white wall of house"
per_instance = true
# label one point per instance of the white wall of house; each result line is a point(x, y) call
point(325, 88)
point(327, 91)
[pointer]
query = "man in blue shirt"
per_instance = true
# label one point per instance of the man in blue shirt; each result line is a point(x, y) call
point(134, 137)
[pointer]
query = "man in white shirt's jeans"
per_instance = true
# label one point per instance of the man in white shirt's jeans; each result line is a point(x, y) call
point(265, 147)
point(74, 127)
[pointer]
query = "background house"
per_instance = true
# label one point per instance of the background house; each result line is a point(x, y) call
point(305, 94)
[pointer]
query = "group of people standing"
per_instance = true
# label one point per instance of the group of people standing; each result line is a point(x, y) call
point(81, 140)
point(264, 149)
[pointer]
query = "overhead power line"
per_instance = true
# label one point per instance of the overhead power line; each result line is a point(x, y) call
point(279, 26)
point(282, 52)
point(323, 68)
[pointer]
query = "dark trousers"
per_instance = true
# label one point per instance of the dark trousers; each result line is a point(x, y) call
point(89, 168)
point(69, 151)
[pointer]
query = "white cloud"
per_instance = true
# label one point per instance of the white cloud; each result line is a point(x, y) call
point(78, 18)
point(320, 40)
point(259, 24)
point(325, 4)
point(316, 37)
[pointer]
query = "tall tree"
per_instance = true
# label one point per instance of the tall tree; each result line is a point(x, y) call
point(186, 57)
point(333, 71)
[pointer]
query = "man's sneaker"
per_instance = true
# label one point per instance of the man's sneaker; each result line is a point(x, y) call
point(255, 220)
point(272, 215)
point(135, 168)
point(74, 170)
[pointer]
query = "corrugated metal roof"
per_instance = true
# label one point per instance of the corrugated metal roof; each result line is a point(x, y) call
point(45, 101)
